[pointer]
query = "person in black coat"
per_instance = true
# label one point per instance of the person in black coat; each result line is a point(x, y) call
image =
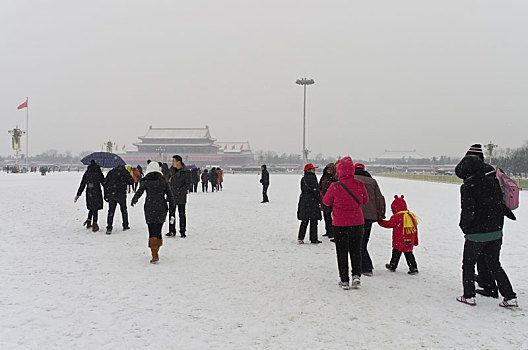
point(482, 221)
point(264, 180)
point(179, 180)
point(213, 178)
point(115, 186)
point(165, 169)
point(92, 179)
point(155, 208)
point(486, 282)
point(308, 210)
point(205, 180)
point(195, 179)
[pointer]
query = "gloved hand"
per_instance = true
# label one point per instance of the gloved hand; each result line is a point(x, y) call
point(132, 203)
point(75, 199)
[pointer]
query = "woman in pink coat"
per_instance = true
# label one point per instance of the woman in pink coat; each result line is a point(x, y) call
point(346, 197)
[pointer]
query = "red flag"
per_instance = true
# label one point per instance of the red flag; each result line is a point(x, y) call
point(117, 147)
point(233, 147)
point(123, 148)
point(225, 147)
point(23, 105)
point(241, 146)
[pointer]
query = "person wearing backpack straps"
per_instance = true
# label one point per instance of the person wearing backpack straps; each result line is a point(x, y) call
point(485, 280)
point(346, 197)
point(482, 221)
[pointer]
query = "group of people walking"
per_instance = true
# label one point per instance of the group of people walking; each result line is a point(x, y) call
point(350, 201)
point(215, 176)
point(165, 195)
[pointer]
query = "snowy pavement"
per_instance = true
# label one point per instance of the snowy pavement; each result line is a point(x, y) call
point(239, 281)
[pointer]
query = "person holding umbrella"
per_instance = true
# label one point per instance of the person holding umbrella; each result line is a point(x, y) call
point(158, 193)
point(92, 180)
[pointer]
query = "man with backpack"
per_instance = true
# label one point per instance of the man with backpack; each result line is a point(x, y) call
point(485, 280)
point(482, 221)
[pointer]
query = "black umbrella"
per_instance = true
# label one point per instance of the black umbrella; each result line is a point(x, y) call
point(104, 159)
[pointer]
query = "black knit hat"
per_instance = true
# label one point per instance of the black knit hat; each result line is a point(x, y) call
point(476, 150)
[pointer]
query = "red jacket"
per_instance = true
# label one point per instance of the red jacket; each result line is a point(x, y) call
point(403, 238)
point(345, 210)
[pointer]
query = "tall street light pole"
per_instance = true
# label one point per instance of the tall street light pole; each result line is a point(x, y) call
point(304, 82)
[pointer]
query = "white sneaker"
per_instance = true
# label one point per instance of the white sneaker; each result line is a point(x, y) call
point(509, 303)
point(356, 282)
point(469, 301)
point(344, 285)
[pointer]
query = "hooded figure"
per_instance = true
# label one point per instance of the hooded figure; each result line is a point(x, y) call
point(93, 180)
point(482, 221)
point(404, 226)
point(346, 197)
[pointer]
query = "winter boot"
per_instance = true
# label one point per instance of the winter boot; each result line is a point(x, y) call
point(469, 301)
point(153, 245)
point(87, 223)
point(413, 271)
point(390, 268)
point(95, 227)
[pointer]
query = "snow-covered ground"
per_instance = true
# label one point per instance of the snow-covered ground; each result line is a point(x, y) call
point(239, 281)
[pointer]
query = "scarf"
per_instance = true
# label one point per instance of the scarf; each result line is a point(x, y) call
point(410, 221)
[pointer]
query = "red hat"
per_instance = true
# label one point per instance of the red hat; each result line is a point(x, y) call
point(359, 166)
point(310, 166)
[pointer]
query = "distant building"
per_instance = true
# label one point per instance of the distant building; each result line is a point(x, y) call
point(391, 156)
point(195, 145)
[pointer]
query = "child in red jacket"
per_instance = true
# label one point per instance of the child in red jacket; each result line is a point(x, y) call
point(404, 226)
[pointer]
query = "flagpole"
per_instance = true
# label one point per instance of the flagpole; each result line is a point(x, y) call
point(27, 133)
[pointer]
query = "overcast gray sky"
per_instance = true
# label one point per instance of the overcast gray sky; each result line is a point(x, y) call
point(434, 76)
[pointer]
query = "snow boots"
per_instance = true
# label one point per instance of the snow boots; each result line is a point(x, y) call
point(87, 223)
point(154, 245)
point(95, 227)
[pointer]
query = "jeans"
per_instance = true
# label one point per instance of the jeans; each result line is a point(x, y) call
point(265, 192)
point(181, 216)
point(366, 262)
point(491, 252)
point(313, 230)
point(348, 242)
point(328, 224)
point(112, 205)
point(93, 215)
point(409, 256)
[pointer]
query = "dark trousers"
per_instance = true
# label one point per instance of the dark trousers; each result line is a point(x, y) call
point(182, 218)
point(265, 193)
point(135, 186)
point(329, 229)
point(112, 205)
point(491, 252)
point(195, 187)
point(348, 242)
point(366, 262)
point(313, 229)
point(485, 278)
point(213, 186)
point(220, 186)
point(93, 215)
point(205, 185)
point(395, 259)
point(155, 230)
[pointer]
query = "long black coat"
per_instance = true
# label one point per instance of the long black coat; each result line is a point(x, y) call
point(308, 208)
point(264, 178)
point(92, 179)
point(158, 193)
point(116, 183)
point(180, 181)
point(481, 198)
